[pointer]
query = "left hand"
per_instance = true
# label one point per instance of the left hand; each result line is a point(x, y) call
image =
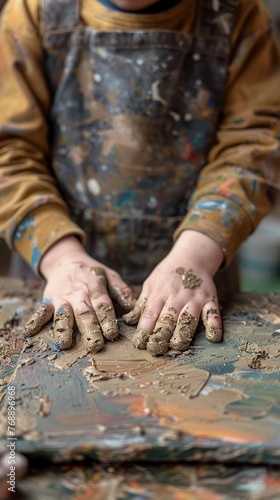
point(177, 293)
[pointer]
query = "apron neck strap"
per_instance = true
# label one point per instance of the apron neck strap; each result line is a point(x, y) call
point(59, 14)
point(216, 17)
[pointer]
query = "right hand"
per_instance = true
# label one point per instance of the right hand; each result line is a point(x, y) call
point(78, 290)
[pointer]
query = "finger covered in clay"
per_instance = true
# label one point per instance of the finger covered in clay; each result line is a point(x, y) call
point(132, 317)
point(184, 332)
point(158, 342)
point(38, 319)
point(140, 338)
point(123, 297)
point(63, 326)
point(89, 328)
point(213, 324)
point(107, 320)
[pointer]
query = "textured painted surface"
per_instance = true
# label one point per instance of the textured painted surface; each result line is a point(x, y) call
point(216, 402)
point(147, 481)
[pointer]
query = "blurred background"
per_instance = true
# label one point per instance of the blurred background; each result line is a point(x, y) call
point(259, 256)
point(258, 261)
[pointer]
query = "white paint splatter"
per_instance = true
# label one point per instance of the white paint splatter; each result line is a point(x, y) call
point(155, 93)
point(152, 202)
point(94, 187)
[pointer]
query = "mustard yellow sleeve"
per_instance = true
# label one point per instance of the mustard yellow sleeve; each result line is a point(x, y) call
point(33, 215)
point(232, 194)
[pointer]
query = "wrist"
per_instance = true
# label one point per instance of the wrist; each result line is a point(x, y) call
point(199, 248)
point(60, 249)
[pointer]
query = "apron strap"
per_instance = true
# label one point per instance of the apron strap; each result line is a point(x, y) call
point(216, 17)
point(59, 14)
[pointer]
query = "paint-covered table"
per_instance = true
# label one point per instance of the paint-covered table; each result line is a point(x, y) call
point(214, 403)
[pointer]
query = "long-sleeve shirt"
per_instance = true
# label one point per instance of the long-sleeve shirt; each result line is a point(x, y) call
point(33, 214)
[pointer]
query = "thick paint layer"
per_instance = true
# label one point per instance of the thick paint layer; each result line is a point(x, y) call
point(213, 402)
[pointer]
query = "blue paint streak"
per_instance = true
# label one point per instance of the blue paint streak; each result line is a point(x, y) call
point(27, 223)
point(60, 310)
point(235, 198)
point(47, 301)
point(211, 205)
point(126, 198)
point(36, 255)
point(254, 186)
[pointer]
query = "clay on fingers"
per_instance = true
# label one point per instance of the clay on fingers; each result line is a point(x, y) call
point(122, 298)
point(63, 326)
point(132, 317)
point(184, 332)
point(140, 338)
point(107, 320)
point(158, 342)
point(34, 324)
point(104, 311)
point(89, 328)
point(212, 323)
point(99, 271)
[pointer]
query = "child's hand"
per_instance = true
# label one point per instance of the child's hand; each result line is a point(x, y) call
point(78, 289)
point(176, 294)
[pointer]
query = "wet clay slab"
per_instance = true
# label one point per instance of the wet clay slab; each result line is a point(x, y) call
point(215, 402)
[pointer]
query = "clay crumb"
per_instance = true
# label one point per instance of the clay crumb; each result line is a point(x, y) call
point(138, 429)
point(171, 435)
point(28, 361)
point(45, 404)
point(256, 362)
point(52, 357)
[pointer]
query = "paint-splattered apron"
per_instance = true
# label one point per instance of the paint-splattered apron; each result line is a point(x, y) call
point(133, 118)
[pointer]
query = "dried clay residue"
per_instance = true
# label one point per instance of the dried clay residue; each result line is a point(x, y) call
point(259, 355)
point(256, 361)
point(182, 382)
point(93, 374)
point(44, 407)
point(189, 279)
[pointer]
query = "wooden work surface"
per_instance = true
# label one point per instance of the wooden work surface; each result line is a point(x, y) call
point(215, 403)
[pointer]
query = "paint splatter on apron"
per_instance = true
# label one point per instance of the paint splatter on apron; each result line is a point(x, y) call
point(133, 118)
